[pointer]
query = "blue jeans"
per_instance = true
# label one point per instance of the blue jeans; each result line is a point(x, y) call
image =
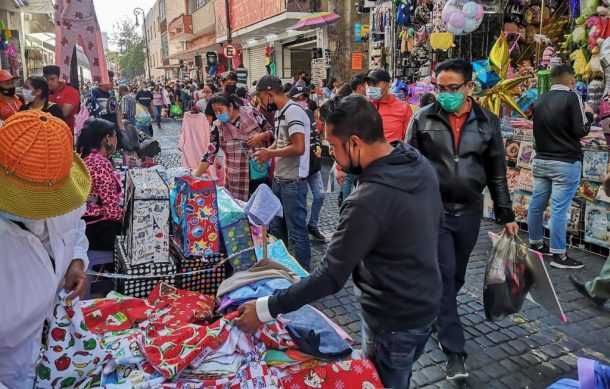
point(158, 109)
point(557, 181)
point(318, 193)
point(348, 185)
point(394, 352)
point(294, 223)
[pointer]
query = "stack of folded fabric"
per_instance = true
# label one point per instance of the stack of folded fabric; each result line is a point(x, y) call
point(184, 339)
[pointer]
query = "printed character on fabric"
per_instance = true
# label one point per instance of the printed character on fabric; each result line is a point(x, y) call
point(235, 229)
point(195, 215)
point(72, 355)
point(175, 307)
point(275, 336)
point(76, 22)
point(351, 374)
point(171, 351)
point(232, 139)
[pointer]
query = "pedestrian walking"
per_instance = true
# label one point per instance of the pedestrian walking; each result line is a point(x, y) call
point(62, 94)
point(128, 105)
point(291, 155)
point(391, 259)
point(559, 123)
point(36, 94)
point(463, 142)
point(300, 95)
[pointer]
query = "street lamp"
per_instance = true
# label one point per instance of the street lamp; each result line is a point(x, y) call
point(136, 12)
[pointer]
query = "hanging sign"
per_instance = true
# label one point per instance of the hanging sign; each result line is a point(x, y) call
point(358, 32)
point(364, 32)
point(356, 61)
point(229, 51)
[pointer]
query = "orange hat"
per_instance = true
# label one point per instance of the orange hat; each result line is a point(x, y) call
point(6, 76)
point(40, 175)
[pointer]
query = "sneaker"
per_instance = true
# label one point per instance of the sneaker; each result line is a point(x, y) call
point(579, 285)
point(456, 367)
point(542, 249)
point(315, 233)
point(563, 261)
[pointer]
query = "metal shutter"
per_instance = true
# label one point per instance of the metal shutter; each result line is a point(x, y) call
point(256, 65)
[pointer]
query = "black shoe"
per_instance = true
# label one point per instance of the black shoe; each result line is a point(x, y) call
point(456, 367)
point(563, 261)
point(542, 249)
point(315, 233)
point(579, 285)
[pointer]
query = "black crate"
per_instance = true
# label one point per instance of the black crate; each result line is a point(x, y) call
point(140, 287)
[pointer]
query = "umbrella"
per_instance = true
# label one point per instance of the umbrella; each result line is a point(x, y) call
point(315, 20)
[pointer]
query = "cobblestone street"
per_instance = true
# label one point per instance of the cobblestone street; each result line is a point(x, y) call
point(527, 350)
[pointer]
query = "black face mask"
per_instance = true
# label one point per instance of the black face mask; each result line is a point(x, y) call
point(352, 169)
point(231, 89)
point(10, 92)
point(271, 106)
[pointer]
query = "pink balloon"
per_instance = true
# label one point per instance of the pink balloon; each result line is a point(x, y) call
point(457, 19)
point(479, 14)
point(447, 12)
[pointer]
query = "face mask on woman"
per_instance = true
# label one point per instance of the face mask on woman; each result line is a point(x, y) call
point(28, 95)
point(223, 117)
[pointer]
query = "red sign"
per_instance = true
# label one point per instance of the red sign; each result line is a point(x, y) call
point(229, 51)
point(356, 61)
point(245, 13)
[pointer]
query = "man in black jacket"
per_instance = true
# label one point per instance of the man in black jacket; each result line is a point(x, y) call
point(559, 123)
point(393, 259)
point(464, 144)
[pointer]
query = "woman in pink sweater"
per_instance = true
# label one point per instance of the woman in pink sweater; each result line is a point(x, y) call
point(104, 215)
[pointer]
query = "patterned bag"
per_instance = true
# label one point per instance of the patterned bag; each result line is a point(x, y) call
point(72, 356)
point(195, 216)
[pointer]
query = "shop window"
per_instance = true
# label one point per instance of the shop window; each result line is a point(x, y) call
point(162, 10)
point(194, 5)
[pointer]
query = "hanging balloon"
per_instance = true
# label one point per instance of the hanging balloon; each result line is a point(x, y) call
point(462, 17)
point(526, 99)
point(544, 81)
point(581, 88)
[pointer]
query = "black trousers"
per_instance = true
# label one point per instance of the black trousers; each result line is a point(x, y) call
point(457, 238)
point(101, 235)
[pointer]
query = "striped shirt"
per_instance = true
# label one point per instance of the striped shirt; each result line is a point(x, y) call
point(128, 106)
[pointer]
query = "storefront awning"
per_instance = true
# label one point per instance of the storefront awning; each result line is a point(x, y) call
point(206, 45)
point(275, 25)
point(168, 67)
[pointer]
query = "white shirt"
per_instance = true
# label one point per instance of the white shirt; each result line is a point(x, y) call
point(28, 282)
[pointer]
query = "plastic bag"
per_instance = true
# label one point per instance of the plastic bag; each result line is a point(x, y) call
point(507, 279)
point(176, 111)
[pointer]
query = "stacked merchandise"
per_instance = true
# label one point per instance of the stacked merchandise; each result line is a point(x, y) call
point(143, 250)
point(588, 214)
point(170, 337)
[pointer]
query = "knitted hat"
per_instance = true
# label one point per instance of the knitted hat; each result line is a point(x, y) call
point(40, 175)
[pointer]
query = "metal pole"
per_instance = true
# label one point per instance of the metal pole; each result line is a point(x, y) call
point(135, 12)
point(229, 38)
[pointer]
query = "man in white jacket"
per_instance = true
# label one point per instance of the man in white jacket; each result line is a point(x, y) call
point(43, 189)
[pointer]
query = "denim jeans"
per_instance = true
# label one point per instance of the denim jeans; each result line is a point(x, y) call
point(317, 191)
point(557, 181)
point(294, 223)
point(158, 109)
point(348, 185)
point(394, 352)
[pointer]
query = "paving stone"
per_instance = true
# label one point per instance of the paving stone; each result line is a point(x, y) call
point(495, 371)
point(553, 350)
point(433, 373)
point(437, 356)
point(497, 337)
point(496, 353)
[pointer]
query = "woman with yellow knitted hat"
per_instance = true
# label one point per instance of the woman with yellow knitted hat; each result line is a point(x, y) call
point(43, 189)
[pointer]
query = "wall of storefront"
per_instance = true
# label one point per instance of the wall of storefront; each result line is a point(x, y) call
point(154, 43)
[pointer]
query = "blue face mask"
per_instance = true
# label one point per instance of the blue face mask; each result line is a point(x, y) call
point(224, 117)
point(14, 218)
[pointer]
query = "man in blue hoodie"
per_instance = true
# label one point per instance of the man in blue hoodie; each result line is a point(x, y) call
point(386, 239)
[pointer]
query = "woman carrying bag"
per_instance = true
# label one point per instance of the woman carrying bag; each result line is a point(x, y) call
point(237, 131)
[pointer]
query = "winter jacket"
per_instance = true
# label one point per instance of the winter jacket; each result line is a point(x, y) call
point(478, 161)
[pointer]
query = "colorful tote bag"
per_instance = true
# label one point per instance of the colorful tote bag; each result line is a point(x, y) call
point(195, 216)
point(72, 356)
